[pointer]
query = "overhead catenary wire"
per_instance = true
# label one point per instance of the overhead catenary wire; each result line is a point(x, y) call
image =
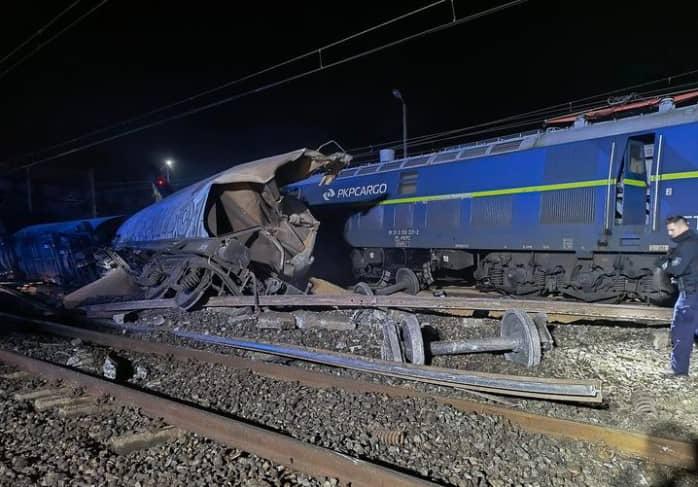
point(228, 99)
point(560, 108)
point(564, 107)
point(50, 39)
point(39, 32)
point(527, 118)
point(228, 84)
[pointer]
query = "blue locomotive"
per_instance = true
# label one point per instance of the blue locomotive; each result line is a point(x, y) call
point(576, 209)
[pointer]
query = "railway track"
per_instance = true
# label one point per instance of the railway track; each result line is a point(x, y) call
point(638, 445)
point(295, 454)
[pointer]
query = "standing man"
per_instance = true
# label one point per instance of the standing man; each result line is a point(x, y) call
point(682, 264)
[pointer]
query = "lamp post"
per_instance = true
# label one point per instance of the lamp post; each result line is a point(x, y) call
point(168, 165)
point(398, 95)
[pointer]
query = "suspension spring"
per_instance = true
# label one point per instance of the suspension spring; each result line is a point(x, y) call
point(191, 279)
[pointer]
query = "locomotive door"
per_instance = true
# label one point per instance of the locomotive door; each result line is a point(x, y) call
point(632, 206)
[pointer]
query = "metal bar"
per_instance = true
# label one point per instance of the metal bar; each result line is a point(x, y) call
point(655, 203)
point(619, 312)
point(584, 391)
point(495, 344)
point(552, 389)
point(295, 454)
point(607, 224)
point(659, 450)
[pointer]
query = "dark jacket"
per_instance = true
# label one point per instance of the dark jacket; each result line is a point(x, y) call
point(682, 261)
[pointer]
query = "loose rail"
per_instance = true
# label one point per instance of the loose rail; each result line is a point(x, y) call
point(510, 385)
point(581, 391)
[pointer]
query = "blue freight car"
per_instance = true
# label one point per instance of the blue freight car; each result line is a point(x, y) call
point(576, 209)
point(62, 253)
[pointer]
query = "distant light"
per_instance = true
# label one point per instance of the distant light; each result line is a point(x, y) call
point(169, 162)
point(397, 94)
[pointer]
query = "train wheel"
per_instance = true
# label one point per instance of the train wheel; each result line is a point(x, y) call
point(409, 279)
point(518, 325)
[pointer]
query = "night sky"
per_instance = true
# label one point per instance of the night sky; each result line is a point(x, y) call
point(130, 57)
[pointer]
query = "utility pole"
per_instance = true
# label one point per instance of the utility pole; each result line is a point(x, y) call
point(93, 195)
point(398, 95)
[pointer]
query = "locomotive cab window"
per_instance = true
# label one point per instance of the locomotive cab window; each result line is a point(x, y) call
point(633, 183)
point(408, 183)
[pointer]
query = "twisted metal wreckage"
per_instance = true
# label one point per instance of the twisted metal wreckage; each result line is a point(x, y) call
point(233, 233)
point(236, 236)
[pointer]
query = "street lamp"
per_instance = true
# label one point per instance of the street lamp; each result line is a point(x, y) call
point(169, 163)
point(398, 95)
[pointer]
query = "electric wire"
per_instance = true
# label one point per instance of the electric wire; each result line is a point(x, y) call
point(50, 40)
point(274, 84)
point(39, 32)
point(527, 118)
point(228, 84)
point(564, 107)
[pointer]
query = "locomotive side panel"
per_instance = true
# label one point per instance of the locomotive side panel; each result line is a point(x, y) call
point(577, 211)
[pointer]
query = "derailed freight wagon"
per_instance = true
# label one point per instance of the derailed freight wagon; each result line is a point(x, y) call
point(233, 233)
point(62, 253)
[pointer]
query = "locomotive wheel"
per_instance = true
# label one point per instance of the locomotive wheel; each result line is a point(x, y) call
point(409, 279)
point(517, 325)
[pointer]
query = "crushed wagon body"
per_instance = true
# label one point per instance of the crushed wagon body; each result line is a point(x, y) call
point(233, 233)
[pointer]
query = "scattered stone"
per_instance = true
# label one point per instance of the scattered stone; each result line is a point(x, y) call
point(141, 373)
point(123, 318)
point(81, 359)
point(117, 368)
point(156, 320)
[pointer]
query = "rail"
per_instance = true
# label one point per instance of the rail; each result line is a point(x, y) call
point(293, 453)
point(579, 391)
point(660, 450)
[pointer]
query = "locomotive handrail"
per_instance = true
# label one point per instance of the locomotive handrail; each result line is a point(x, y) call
point(656, 184)
point(607, 223)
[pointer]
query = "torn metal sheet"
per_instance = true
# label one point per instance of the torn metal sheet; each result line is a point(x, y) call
point(231, 234)
point(225, 202)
